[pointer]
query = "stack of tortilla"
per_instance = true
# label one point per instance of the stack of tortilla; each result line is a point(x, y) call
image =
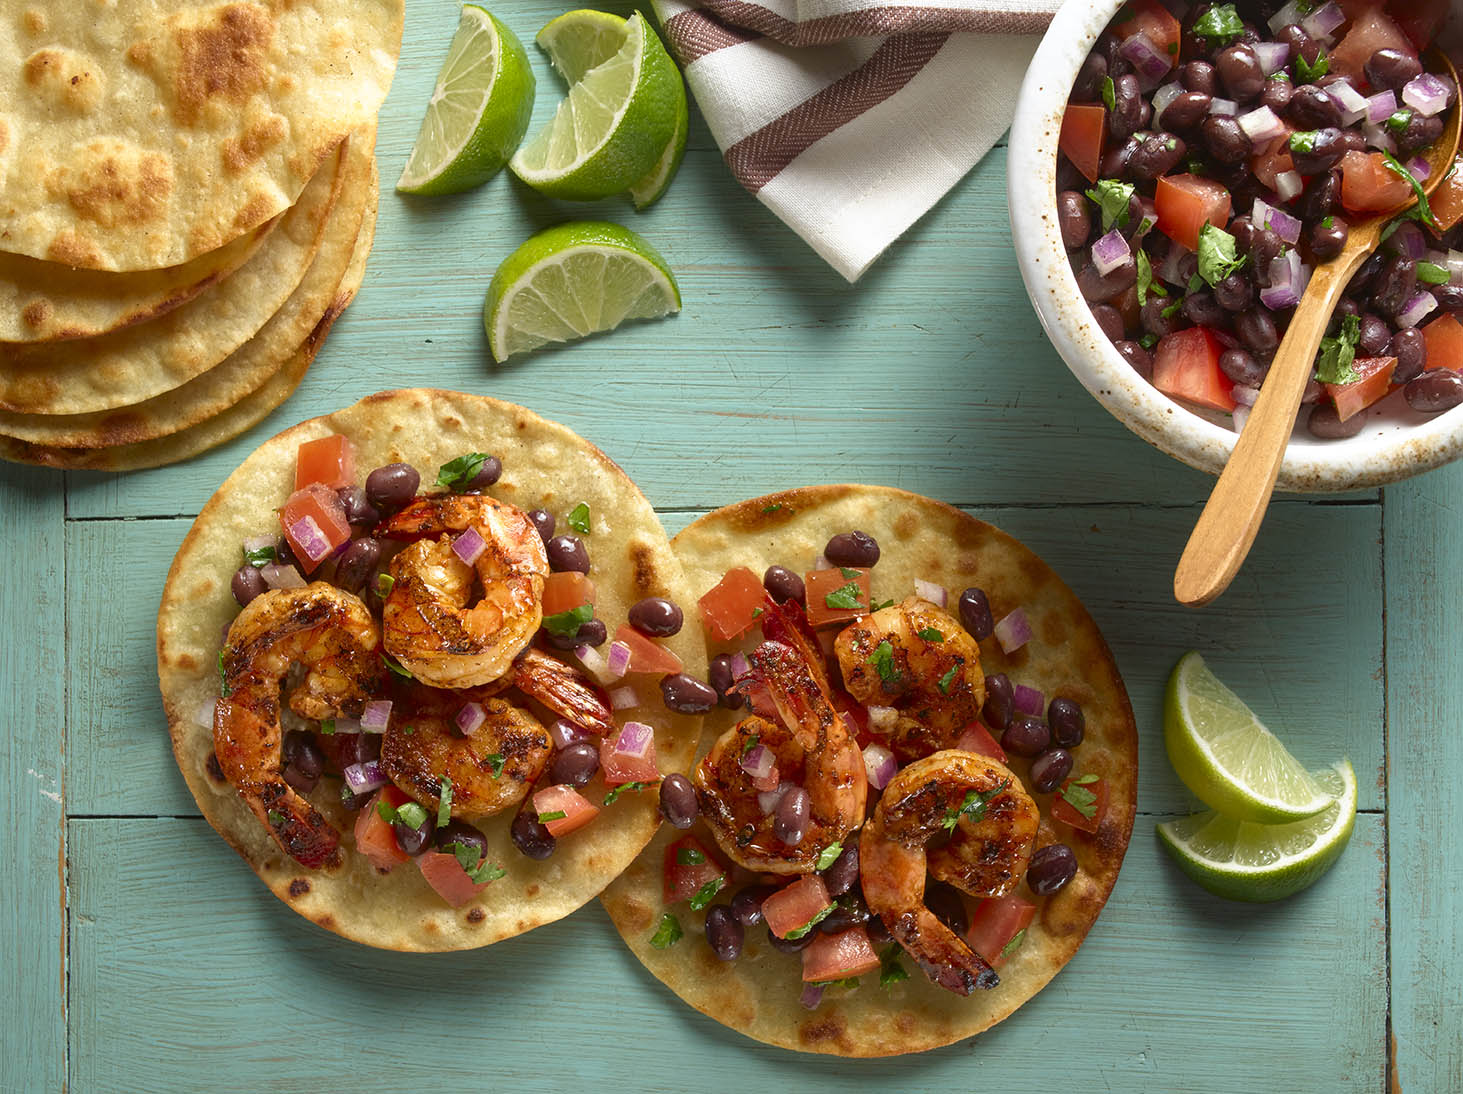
point(187, 199)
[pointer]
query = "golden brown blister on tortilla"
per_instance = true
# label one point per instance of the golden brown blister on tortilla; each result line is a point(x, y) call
point(758, 994)
point(544, 465)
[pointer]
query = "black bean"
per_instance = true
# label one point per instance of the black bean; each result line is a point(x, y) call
point(849, 911)
point(1235, 292)
point(719, 675)
point(1074, 218)
point(1243, 230)
point(1256, 329)
point(878, 933)
point(1156, 155)
point(1051, 868)
point(1186, 111)
point(358, 507)
point(1374, 335)
point(1068, 723)
point(414, 840)
point(458, 833)
point(1324, 422)
point(567, 553)
point(1301, 43)
point(1329, 240)
point(1000, 702)
point(852, 549)
point(1353, 141)
point(1130, 110)
point(1312, 107)
point(488, 472)
point(843, 874)
point(575, 764)
point(1265, 248)
point(530, 837)
point(1226, 141)
point(1153, 320)
point(791, 945)
point(1088, 85)
point(783, 585)
point(1099, 289)
point(592, 633)
point(1201, 309)
point(1276, 94)
point(1321, 153)
point(1110, 320)
point(1396, 285)
point(247, 583)
point(1050, 769)
point(1115, 160)
point(1434, 391)
point(790, 819)
point(1312, 393)
point(678, 801)
point(302, 753)
point(1344, 307)
point(1241, 367)
point(1199, 76)
point(357, 563)
point(1240, 72)
point(1410, 348)
point(747, 904)
point(392, 487)
point(1362, 280)
point(1138, 357)
point(947, 904)
point(1322, 197)
point(724, 933)
point(687, 695)
point(1141, 211)
point(655, 616)
point(544, 521)
point(1449, 297)
point(1391, 69)
point(1418, 133)
point(1027, 735)
point(975, 613)
point(358, 748)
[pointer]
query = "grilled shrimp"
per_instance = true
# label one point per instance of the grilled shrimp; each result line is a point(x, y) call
point(332, 635)
point(564, 689)
point(813, 748)
point(929, 673)
point(427, 622)
point(993, 822)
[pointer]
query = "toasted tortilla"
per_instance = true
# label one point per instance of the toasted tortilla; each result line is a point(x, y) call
point(544, 465)
point(758, 994)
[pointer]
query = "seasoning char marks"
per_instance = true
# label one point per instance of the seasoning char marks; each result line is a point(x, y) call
point(220, 60)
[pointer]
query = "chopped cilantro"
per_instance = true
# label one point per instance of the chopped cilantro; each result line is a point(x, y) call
point(707, 893)
point(947, 679)
point(408, 730)
point(689, 856)
point(1148, 341)
point(1015, 944)
point(347, 795)
point(444, 803)
point(1217, 254)
point(880, 606)
point(1219, 26)
point(624, 787)
point(1195, 284)
point(1395, 166)
point(1413, 214)
point(1146, 282)
point(1310, 73)
point(473, 862)
point(829, 855)
point(845, 982)
point(773, 508)
point(1109, 93)
point(1328, 222)
point(801, 932)
point(557, 814)
point(758, 612)
point(567, 624)
point(1172, 310)
point(930, 634)
point(392, 664)
point(1076, 794)
point(974, 805)
point(411, 814)
point(1430, 273)
point(327, 726)
point(260, 556)
point(276, 818)
point(578, 518)
point(883, 661)
point(384, 584)
point(1303, 140)
point(1333, 363)
point(849, 574)
point(891, 969)
point(223, 677)
point(668, 933)
point(1399, 121)
point(459, 472)
point(1114, 199)
point(385, 810)
point(752, 742)
point(845, 598)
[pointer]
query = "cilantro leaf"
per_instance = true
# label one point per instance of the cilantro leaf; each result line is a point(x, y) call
point(385, 810)
point(1310, 73)
point(668, 933)
point(845, 599)
point(1430, 273)
point(1148, 341)
point(930, 634)
point(1219, 26)
point(946, 680)
point(689, 856)
point(891, 969)
point(444, 803)
point(223, 677)
point(1399, 120)
point(848, 573)
point(974, 805)
point(707, 893)
point(276, 818)
point(578, 518)
point(1109, 93)
point(395, 666)
point(1333, 363)
point(567, 624)
point(327, 726)
point(774, 507)
point(557, 814)
point(384, 584)
point(883, 661)
point(624, 787)
point(752, 742)
point(801, 932)
point(474, 864)
point(411, 814)
point(1080, 798)
point(1146, 282)
point(1015, 944)
point(829, 855)
point(459, 472)
point(260, 556)
point(1113, 198)
point(1303, 140)
point(1395, 166)
point(1217, 254)
point(881, 605)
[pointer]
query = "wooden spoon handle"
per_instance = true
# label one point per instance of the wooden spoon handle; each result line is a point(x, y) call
point(1231, 519)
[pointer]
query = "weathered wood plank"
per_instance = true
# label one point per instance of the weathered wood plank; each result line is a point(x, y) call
point(32, 772)
point(1424, 535)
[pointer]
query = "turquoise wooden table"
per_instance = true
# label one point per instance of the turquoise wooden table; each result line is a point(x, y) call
point(139, 953)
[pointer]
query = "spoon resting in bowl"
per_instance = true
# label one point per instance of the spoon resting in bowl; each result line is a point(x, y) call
point(1227, 527)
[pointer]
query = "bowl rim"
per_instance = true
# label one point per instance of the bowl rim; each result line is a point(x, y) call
point(1388, 449)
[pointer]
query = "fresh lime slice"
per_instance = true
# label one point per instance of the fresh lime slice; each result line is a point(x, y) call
point(572, 280)
point(479, 110)
point(1262, 862)
point(610, 130)
point(578, 41)
point(1227, 757)
point(647, 191)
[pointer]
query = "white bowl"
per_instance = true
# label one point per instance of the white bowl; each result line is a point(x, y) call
point(1395, 443)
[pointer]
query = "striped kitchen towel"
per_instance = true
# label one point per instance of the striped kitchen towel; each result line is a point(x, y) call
point(850, 119)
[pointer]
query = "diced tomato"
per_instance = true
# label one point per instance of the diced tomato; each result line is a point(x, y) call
point(566, 590)
point(617, 767)
point(837, 956)
point(1153, 19)
point(1185, 203)
point(976, 738)
point(822, 584)
point(683, 879)
point(732, 605)
point(1420, 20)
point(445, 874)
point(1368, 185)
point(1084, 129)
point(1370, 31)
point(311, 510)
point(1374, 379)
point(1187, 367)
point(1444, 337)
point(646, 654)
point(1069, 814)
point(1447, 199)
point(330, 461)
point(995, 922)
point(374, 836)
point(577, 809)
point(1273, 159)
point(795, 905)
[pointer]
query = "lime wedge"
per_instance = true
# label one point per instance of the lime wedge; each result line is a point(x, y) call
point(575, 279)
point(647, 191)
point(1263, 862)
point(619, 115)
point(578, 41)
point(478, 112)
point(1226, 756)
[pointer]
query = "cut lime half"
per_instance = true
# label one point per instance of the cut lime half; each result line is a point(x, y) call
point(648, 190)
point(1227, 757)
point(572, 280)
point(479, 110)
point(1263, 862)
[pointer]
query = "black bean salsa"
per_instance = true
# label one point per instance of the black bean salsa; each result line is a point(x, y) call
point(1213, 154)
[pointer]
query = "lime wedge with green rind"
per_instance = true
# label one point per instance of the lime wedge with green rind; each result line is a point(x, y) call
point(578, 41)
point(648, 190)
point(479, 110)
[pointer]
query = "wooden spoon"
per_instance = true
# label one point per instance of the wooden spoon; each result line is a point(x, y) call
point(1231, 519)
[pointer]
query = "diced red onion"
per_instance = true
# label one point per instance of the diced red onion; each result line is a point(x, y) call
point(822, 563)
point(1428, 94)
point(281, 577)
point(1378, 137)
point(1418, 308)
point(1287, 15)
point(882, 719)
point(564, 733)
point(259, 543)
point(1163, 96)
point(593, 661)
point(1240, 416)
point(1381, 106)
point(363, 778)
point(1409, 239)
point(739, 665)
point(935, 594)
point(1352, 102)
point(1321, 22)
point(1262, 125)
point(376, 716)
point(624, 698)
point(1244, 394)
point(1013, 631)
point(1169, 270)
point(767, 800)
point(812, 996)
point(1151, 62)
point(619, 660)
point(1028, 700)
point(1226, 107)
point(1288, 278)
point(347, 725)
point(1454, 263)
point(1278, 221)
point(311, 541)
point(470, 717)
point(1110, 252)
point(1420, 168)
point(635, 740)
point(1272, 55)
point(1289, 184)
point(204, 715)
point(757, 761)
point(469, 546)
point(879, 765)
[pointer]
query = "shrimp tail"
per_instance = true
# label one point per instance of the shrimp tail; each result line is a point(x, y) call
point(788, 624)
point(565, 690)
point(943, 956)
point(420, 518)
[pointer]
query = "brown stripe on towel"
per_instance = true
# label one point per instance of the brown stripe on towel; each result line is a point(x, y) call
point(874, 22)
point(693, 34)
